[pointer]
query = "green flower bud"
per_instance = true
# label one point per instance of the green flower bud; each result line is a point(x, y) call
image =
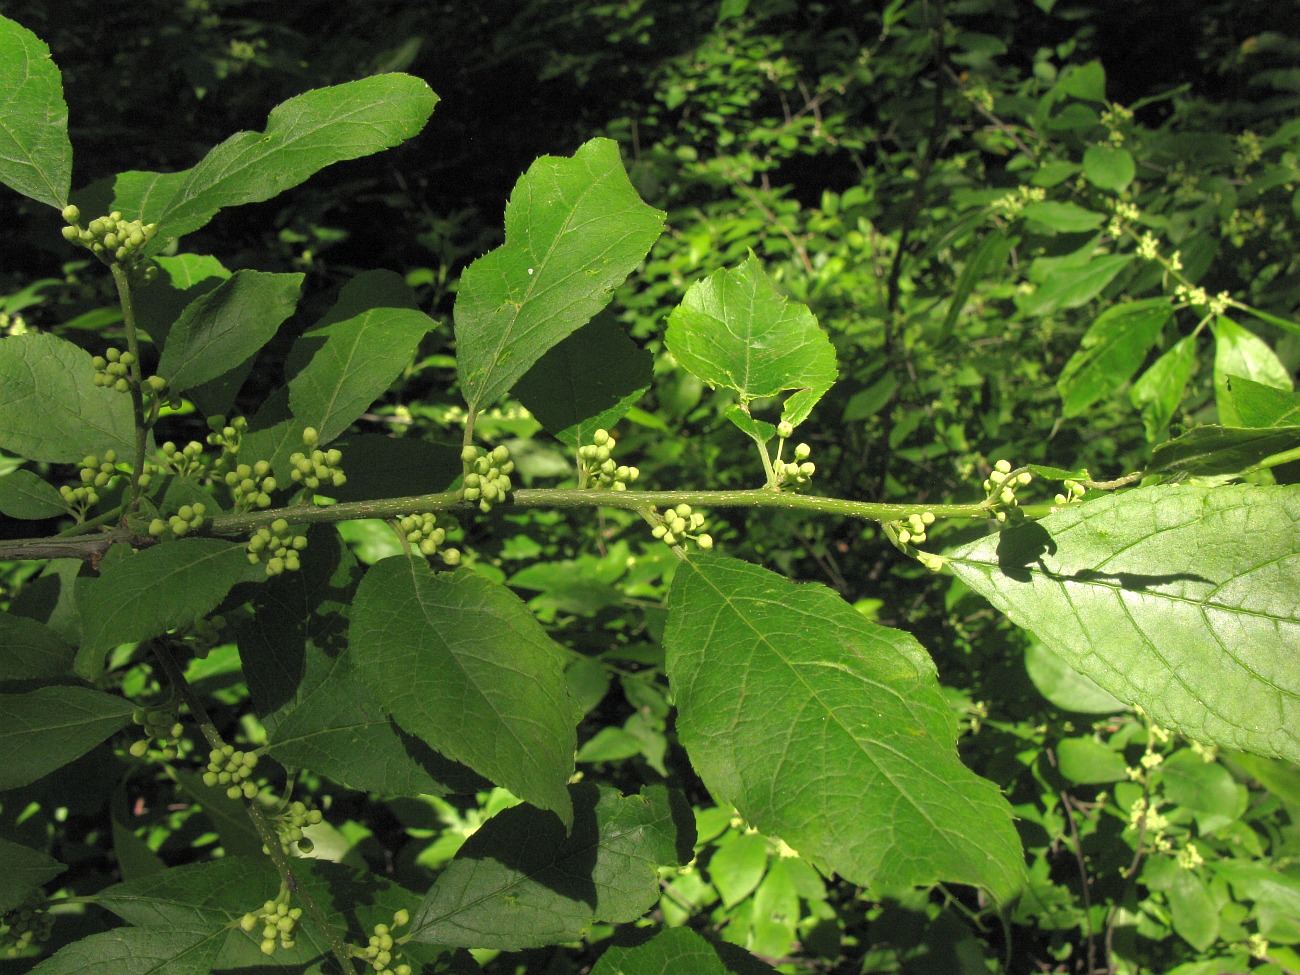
point(71, 214)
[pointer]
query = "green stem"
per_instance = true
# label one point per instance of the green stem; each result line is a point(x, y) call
point(270, 841)
point(122, 278)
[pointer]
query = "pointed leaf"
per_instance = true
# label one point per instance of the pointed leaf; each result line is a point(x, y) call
point(586, 383)
point(151, 591)
point(138, 951)
point(1110, 352)
point(1177, 598)
point(1243, 354)
point(1213, 450)
point(50, 407)
point(46, 728)
point(1256, 404)
point(829, 732)
point(735, 331)
point(1065, 218)
point(575, 229)
point(1108, 167)
point(303, 135)
point(221, 329)
point(521, 882)
point(1159, 390)
point(1071, 287)
point(22, 870)
point(35, 154)
point(461, 664)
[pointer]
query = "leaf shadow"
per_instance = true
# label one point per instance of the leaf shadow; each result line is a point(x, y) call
point(1020, 550)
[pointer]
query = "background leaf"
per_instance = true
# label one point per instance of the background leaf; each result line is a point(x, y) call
point(587, 382)
point(1160, 389)
point(29, 649)
point(50, 407)
point(575, 229)
point(153, 590)
point(1213, 450)
point(1110, 352)
point(22, 870)
point(44, 729)
point(461, 664)
point(1243, 354)
point(1180, 599)
point(138, 951)
point(735, 331)
point(25, 494)
point(521, 882)
point(219, 330)
point(35, 154)
point(671, 951)
point(829, 732)
point(1255, 404)
point(1108, 167)
point(303, 135)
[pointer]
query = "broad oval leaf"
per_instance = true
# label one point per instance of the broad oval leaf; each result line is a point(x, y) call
point(829, 731)
point(47, 728)
point(1175, 598)
point(1066, 218)
point(35, 154)
point(22, 870)
point(575, 229)
point(1110, 352)
point(461, 664)
point(50, 407)
point(226, 326)
point(735, 331)
point(303, 135)
point(153, 590)
point(25, 494)
point(1108, 167)
point(1070, 287)
point(139, 951)
point(523, 881)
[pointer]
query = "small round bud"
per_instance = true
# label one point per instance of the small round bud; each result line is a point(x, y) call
point(785, 430)
point(468, 454)
point(71, 214)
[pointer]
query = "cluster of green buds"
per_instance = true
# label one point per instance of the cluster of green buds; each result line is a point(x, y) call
point(487, 476)
point(227, 436)
point(597, 468)
point(188, 518)
point(320, 467)
point(231, 767)
point(290, 824)
point(27, 924)
point(427, 532)
point(113, 369)
point(277, 921)
point(798, 472)
point(1074, 491)
point(278, 547)
point(912, 531)
point(379, 953)
point(1001, 487)
point(112, 239)
point(678, 524)
point(251, 487)
point(187, 461)
point(162, 731)
point(95, 473)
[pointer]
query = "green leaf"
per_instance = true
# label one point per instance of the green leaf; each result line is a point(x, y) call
point(50, 407)
point(735, 331)
point(1193, 910)
point(675, 951)
point(1206, 643)
point(461, 664)
point(303, 135)
point(991, 254)
point(1213, 450)
point(575, 229)
point(1072, 287)
point(1065, 218)
point(22, 870)
point(1280, 778)
point(1255, 404)
point(30, 650)
point(1086, 761)
point(1159, 390)
point(521, 882)
point(1064, 686)
point(46, 728)
point(793, 707)
point(228, 816)
point(221, 329)
point(737, 865)
point(1242, 354)
point(153, 590)
point(184, 278)
point(587, 382)
point(138, 951)
point(1108, 167)
point(35, 154)
point(1110, 352)
point(25, 494)
point(1205, 789)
